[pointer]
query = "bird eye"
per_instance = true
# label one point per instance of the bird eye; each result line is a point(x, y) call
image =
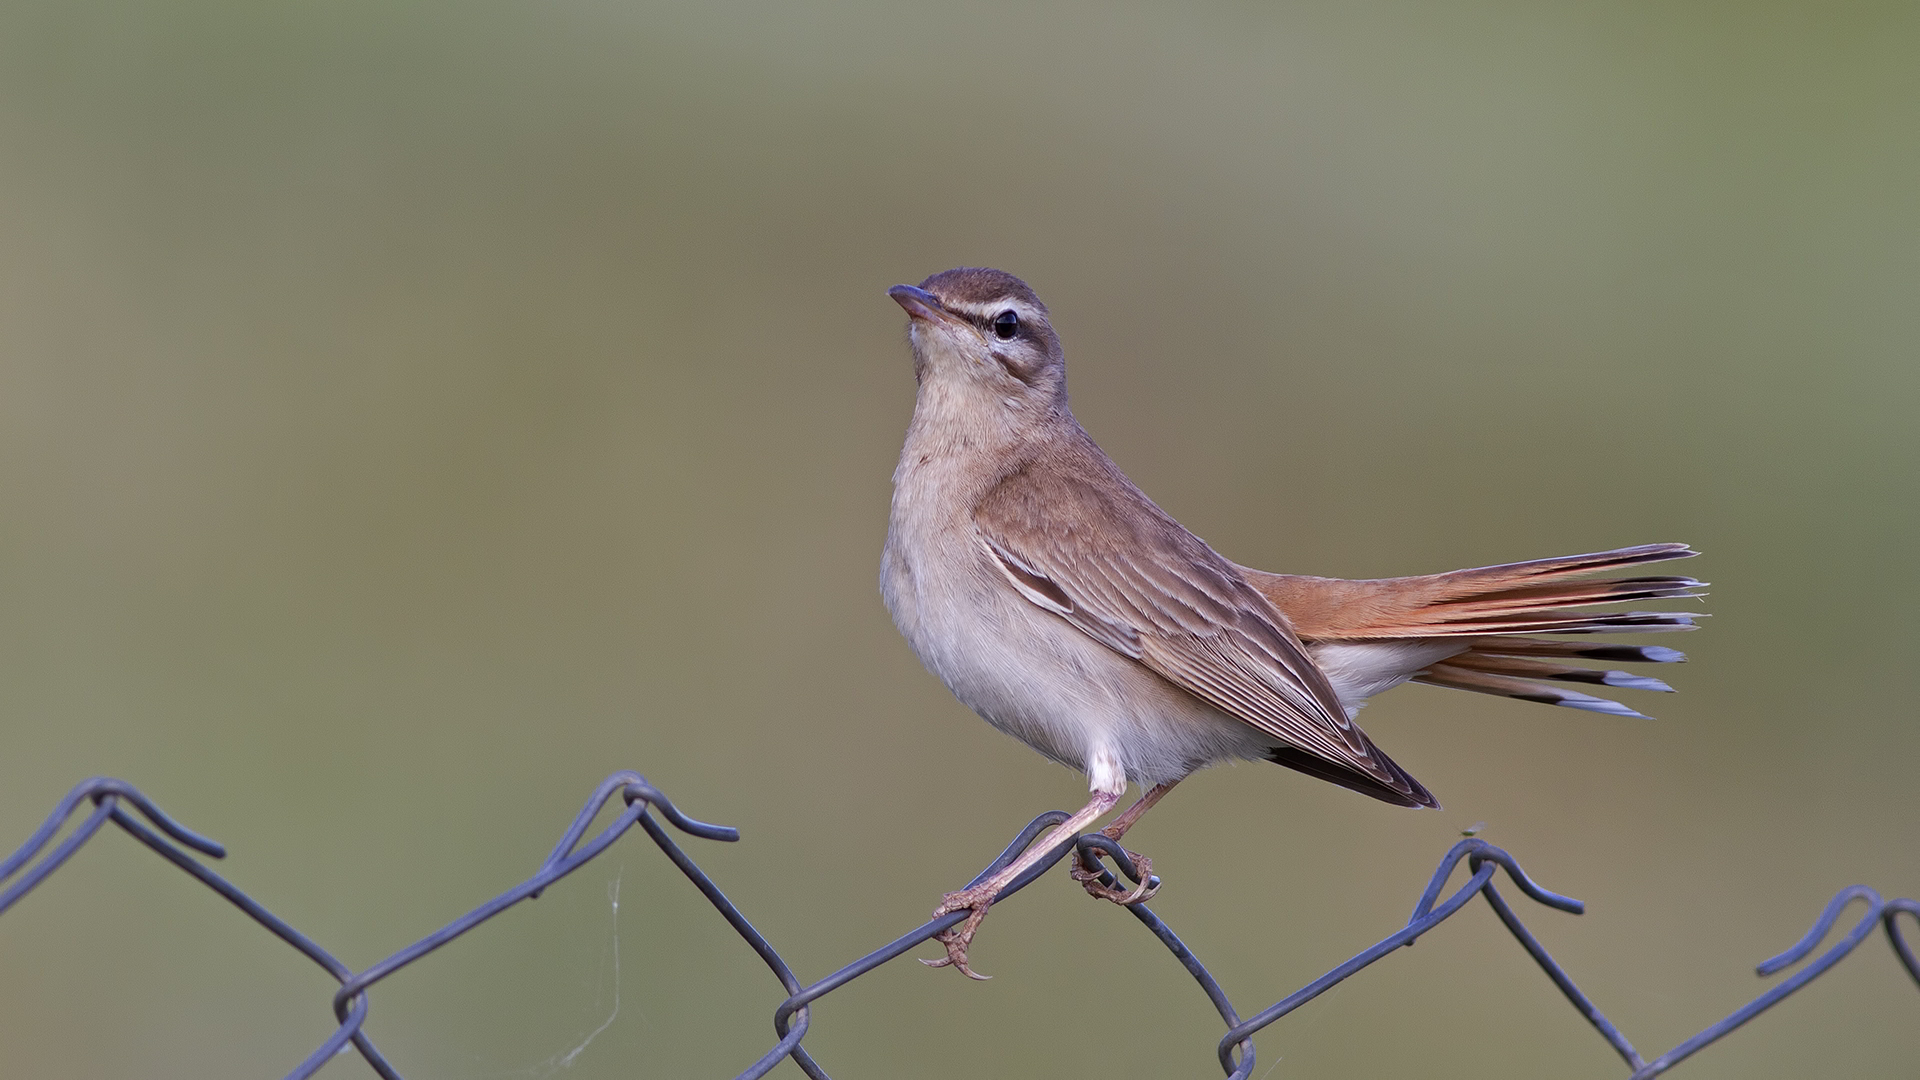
point(1006, 325)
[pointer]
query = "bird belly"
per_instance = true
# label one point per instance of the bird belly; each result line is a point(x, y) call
point(1036, 677)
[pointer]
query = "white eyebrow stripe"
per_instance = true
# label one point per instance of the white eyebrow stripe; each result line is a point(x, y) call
point(989, 311)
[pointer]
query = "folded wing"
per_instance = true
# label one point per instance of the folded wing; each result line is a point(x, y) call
point(1088, 546)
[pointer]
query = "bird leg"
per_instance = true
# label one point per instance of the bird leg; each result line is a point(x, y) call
point(977, 898)
point(1125, 821)
point(1087, 870)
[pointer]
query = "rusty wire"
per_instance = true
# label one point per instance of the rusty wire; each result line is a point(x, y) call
point(120, 803)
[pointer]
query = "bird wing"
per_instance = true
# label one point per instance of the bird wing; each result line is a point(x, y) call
point(1077, 538)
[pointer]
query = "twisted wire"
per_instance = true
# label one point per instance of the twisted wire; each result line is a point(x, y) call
point(116, 802)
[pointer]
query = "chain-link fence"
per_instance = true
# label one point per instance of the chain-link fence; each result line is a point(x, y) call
point(118, 802)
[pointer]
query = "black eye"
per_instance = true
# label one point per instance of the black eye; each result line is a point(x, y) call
point(1006, 325)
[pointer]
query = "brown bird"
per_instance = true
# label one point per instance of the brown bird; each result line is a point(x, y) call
point(1058, 602)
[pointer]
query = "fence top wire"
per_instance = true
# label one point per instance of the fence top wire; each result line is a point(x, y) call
point(118, 802)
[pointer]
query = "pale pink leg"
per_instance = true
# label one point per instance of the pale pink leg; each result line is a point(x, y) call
point(1089, 876)
point(1125, 821)
point(981, 896)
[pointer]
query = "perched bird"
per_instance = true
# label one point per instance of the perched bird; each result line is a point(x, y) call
point(1058, 602)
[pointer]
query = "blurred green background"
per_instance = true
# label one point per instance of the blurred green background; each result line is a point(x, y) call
point(411, 413)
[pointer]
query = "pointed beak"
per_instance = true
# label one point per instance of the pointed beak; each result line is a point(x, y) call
point(919, 303)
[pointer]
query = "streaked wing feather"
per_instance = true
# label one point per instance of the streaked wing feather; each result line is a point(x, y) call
point(1323, 769)
point(1100, 555)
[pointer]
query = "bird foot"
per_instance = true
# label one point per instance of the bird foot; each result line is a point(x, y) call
point(956, 939)
point(1088, 871)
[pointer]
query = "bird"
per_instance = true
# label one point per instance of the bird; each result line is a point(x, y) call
point(1067, 609)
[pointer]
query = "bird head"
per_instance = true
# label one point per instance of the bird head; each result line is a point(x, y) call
point(983, 333)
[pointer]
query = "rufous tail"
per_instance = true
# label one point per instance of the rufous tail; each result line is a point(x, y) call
point(1491, 612)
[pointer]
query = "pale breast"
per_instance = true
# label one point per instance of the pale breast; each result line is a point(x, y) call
point(1038, 678)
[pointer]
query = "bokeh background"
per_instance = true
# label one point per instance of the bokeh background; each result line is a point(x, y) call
point(411, 413)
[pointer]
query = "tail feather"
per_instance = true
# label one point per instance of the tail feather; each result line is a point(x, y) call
point(1486, 610)
point(1562, 565)
point(1612, 591)
point(1521, 667)
point(1460, 678)
point(1525, 597)
point(1545, 622)
point(1521, 646)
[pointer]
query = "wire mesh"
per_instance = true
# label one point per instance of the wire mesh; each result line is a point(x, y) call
point(121, 804)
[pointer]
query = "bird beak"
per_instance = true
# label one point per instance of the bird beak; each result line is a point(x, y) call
point(919, 303)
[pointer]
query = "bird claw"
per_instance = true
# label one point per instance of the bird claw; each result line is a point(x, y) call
point(956, 939)
point(1088, 871)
